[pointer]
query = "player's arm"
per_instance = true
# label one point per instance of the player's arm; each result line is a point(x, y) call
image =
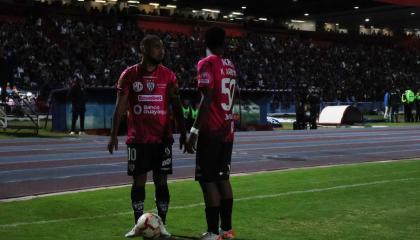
point(120, 109)
point(177, 108)
point(203, 110)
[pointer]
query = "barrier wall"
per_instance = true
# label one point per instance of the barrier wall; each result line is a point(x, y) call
point(252, 108)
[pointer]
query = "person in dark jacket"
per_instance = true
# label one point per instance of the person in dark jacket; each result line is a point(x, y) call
point(395, 103)
point(78, 101)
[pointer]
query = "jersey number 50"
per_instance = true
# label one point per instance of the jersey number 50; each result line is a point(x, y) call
point(228, 88)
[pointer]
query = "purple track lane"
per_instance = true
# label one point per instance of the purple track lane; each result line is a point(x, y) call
point(34, 166)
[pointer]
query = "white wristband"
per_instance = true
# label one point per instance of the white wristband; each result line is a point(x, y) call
point(194, 130)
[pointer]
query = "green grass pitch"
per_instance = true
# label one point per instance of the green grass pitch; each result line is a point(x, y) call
point(360, 201)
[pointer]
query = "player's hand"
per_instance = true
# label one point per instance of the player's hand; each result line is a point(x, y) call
point(191, 144)
point(182, 142)
point(113, 144)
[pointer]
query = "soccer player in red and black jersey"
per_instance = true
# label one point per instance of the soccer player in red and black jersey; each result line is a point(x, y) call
point(213, 133)
point(145, 92)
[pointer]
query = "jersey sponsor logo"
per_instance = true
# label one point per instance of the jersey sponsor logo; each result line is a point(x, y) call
point(150, 85)
point(167, 151)
point(137, 86)
point(231, 72)
point(148, 110)
point(161, 85)
point(166, 162)
point(153, 110)
point(137, 109)
point(204, 78)
point(150, 98)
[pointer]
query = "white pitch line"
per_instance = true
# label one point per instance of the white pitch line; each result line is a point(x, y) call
point(17, 224)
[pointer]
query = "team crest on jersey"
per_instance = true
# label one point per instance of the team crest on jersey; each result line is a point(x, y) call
point(150, 85)
point(137, 86)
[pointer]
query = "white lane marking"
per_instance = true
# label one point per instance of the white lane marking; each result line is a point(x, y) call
point(314, 190)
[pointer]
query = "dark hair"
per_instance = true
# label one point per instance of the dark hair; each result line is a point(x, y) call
point(148, 39)
point(215, 38)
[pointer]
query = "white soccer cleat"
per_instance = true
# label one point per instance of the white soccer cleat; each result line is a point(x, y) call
point(133, 232)
point(210, 236)
point(72, 133)
point(164, 232)
point(82, 133)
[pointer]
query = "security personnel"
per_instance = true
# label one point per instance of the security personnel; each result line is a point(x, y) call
point(417, 101)
point(408, 100)
point(194, 112)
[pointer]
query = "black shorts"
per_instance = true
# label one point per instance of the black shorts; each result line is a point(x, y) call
point(212, 160)
point(143, 158)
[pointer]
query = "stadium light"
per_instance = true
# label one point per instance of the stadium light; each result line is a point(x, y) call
point(210, 10)
point(243, 7)
point(413, 13)
point(80, 0)
point(171, 6)
point(154, 4)
point(356, 7)
point(133, 1)
point(262, 19)
point(237, 13)
point(306, 14)
point(367, 20)
point(297, 21)
point(100, 1)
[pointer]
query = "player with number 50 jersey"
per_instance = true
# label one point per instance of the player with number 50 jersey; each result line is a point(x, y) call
point(219, 74)
point(211, 136)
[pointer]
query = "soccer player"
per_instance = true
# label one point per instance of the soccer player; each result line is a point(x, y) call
point(213, 133)
point(145, 92)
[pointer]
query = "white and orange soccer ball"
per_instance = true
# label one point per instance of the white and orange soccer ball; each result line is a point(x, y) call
point(149, 225)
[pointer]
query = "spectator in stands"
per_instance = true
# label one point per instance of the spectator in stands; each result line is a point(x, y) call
point(78, 101)
point(394, 102)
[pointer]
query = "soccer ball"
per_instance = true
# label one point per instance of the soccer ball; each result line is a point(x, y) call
point(149, 225)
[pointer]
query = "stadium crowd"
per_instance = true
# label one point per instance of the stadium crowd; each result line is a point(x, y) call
point(49, 52)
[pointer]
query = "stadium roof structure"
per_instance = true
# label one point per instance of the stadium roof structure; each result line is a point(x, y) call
point(381, 13)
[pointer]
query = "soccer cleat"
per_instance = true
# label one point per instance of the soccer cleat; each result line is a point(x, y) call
point(210, 236)
point(82, 133)
point(164, 232)
point(72, 133)
point(230, 234)
point(133, 232)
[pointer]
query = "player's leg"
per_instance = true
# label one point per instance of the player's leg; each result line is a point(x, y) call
point(82, 121)
point(138, 165)
point(225, 190)
point(140, 158)
point(162, 196)
point(161, 169)
point(226, 205)
point(207, 174)
point(73, 120)
point(162, 166)
point(138, 194)
point(211, 196)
